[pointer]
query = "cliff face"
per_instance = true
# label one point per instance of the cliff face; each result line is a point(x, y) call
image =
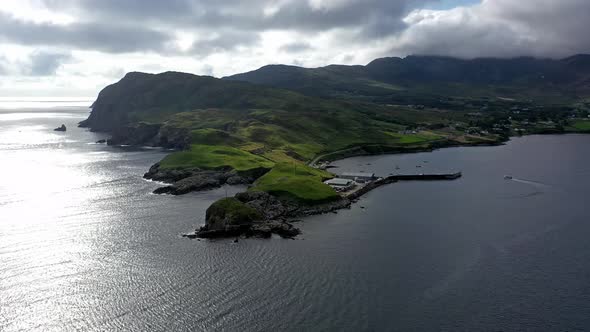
point(137, 109)
point(111, 109)
point(155, 97)
point(140, 96)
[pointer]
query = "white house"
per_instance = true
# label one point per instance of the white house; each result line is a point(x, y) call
point(339, 183)
point(359, 177)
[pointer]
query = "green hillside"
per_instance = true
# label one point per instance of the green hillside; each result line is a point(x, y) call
point(432, 80)
point(389, 105)
point(224, 124)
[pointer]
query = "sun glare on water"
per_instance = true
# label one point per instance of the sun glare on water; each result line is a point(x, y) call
point(43, 102)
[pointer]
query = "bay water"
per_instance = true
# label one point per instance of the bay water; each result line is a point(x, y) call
point(85, 246)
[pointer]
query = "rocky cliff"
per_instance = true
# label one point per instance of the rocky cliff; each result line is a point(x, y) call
point(259, 214)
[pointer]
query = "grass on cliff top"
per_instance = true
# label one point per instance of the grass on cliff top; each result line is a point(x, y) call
point(582, 125)
point(213, 157)
point(210, 136)
point(421, 137)
point(297, 181)
point(234, 210)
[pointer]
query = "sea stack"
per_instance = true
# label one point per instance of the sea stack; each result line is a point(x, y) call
point(61, 128)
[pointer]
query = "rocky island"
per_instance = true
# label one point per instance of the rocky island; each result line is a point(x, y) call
point(273, 134)
point(61, 128)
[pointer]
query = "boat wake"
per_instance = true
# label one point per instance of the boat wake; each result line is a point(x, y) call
point(540, 188)
point(534, 183)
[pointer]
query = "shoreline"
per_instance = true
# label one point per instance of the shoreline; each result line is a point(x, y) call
point(282, 223)
point(344, 203)
point(359, 151)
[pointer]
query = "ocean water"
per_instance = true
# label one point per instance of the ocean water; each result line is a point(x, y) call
point(85, 246)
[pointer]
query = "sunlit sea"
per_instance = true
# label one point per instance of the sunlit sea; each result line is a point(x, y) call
point(85, 246)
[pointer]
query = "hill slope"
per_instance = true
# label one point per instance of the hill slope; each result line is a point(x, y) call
point(227, 126)
point(424, 79)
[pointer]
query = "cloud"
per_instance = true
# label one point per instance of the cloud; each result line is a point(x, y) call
point(224, 42)
point(490, 28)
point(113, 26)
point(206, 70)
point(3, 65)
point(498, 28)
point(300, 15)
point(295, 47)
point(37, 63)
point(108, 37)
point(46, 63)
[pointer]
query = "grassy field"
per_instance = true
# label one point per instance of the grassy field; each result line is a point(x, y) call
point(582, 125)
point(296, 181)
point(214, 157)
point(285, 141)
point(421, 137)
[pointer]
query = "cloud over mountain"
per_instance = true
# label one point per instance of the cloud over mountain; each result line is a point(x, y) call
point(225, 37)
point(499, 28)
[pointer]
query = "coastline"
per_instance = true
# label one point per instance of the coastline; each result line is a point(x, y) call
point(279, 216)
point(281, 223)
point(376, 149)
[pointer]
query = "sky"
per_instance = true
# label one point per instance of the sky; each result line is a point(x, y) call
point(60, 48)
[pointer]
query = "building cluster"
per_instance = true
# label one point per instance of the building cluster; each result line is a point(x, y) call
point(348, 181)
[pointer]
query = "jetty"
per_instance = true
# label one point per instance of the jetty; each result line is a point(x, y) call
point(400, 177)
point(426, 177)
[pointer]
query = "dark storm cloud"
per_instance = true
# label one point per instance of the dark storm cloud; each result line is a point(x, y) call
point(107, 37)
point(46, 63)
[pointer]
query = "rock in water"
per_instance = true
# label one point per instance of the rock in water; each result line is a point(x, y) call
point(60, 128)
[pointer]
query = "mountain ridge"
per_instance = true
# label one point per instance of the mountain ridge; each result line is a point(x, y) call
point(387, 76)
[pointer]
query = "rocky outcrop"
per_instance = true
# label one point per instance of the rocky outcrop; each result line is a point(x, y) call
point(230, 212)
point(138, 134)
point(260, 229)
point(228, 217)
point(61, 128)
point(273, 215)
point(157, 173)
point(265, 229)
point(183, 181)
point(269, 206)
point(173, 138)
point(198, 182)
point(274, 208)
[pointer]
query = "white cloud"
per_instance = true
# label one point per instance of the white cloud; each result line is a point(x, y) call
point(499, 28)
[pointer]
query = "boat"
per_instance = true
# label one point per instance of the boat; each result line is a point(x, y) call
point(507, 177)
